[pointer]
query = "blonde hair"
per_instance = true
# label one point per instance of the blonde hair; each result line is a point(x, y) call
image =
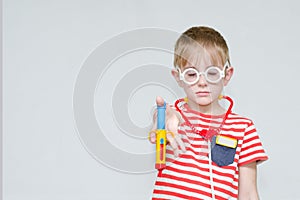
point(198, 42)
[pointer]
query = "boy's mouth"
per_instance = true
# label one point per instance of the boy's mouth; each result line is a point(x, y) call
point(203, 93)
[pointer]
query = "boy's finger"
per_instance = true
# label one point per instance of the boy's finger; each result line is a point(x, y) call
point(152, 136)
point(173, 144)
point(154, 126)
point(173, 127)
point(180, 142)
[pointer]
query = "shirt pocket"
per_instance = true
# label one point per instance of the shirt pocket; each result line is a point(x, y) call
point(222, 155)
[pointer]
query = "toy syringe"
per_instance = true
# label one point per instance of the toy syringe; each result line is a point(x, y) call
point(161, 138)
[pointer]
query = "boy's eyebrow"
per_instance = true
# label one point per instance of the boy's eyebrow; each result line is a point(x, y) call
point(190, 66)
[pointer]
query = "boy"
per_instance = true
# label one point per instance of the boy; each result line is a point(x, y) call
point(213, 152)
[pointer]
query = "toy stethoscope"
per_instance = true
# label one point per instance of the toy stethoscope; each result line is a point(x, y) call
point(206, 134)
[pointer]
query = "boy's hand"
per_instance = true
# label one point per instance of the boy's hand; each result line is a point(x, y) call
point(172, 122)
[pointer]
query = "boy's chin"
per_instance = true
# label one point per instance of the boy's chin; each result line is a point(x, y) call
point(203, 102)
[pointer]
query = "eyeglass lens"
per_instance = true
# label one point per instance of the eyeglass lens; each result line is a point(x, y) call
point(212, 74)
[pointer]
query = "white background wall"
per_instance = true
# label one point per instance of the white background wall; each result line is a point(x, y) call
point(46, 44)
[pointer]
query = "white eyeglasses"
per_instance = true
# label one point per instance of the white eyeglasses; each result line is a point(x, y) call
point(212, 74)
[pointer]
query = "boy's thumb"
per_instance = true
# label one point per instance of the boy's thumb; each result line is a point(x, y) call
point(159, 101)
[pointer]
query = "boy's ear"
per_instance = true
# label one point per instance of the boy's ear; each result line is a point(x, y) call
point(175, 74)
point(229, 73)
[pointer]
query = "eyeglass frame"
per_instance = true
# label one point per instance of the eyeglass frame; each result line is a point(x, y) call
point(222, 73)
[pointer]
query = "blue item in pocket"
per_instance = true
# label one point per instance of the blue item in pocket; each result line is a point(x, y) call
point(221, 155)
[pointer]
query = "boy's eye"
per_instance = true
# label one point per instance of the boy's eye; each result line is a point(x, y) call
point(212, 72)
point(191, 74)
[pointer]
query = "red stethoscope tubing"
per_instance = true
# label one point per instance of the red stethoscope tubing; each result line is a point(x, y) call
point(206, 134)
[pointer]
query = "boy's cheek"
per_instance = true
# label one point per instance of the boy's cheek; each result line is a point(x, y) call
point(180, 84)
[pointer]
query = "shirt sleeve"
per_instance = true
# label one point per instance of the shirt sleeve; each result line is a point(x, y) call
point(251, 149)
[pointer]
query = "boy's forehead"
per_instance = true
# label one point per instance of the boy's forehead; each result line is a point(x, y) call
point(202, 59)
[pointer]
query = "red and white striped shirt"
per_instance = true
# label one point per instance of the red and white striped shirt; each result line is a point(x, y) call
point(188, 176)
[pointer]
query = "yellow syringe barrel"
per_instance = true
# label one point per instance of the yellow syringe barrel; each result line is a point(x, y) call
point(161, 142)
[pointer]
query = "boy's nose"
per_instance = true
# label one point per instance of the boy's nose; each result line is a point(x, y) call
point(202, 80)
